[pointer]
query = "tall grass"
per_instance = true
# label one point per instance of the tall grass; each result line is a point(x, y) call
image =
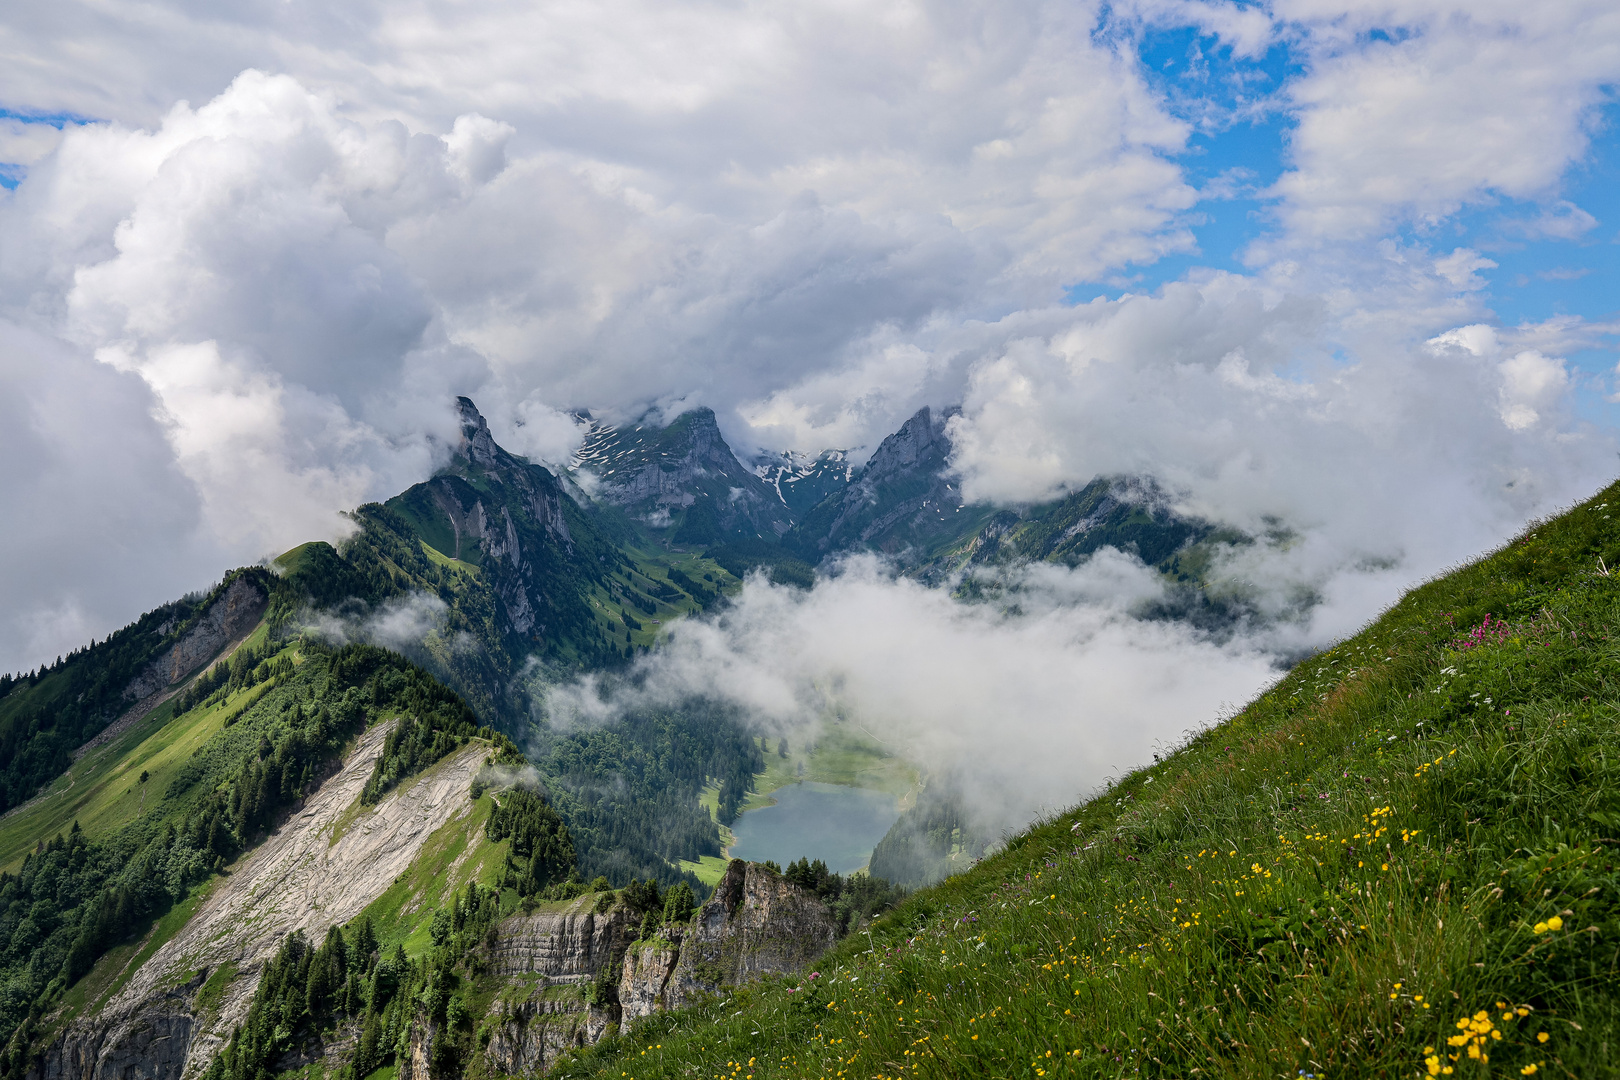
point(1397, 862)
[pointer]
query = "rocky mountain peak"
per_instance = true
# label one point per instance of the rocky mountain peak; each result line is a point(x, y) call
point(920, 443)
point(902, 500)
point(665, 474)
point(477, 444)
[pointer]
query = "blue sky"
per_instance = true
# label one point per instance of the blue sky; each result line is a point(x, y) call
point(1240, 142)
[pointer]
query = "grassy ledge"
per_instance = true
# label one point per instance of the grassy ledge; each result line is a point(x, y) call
point(1397, 862)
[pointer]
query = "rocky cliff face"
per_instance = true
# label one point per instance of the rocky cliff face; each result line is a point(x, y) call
point(646, 973)
point(148, 1046)
point(236, 612)
point(530, 1031)
point(757, 924)
point(570, 946)
point(683, 477)
point(557, 963)
point(215, 635)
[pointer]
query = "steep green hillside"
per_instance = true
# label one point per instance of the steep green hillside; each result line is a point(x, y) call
point(103, 791)
point(1399, 861)
point(172, 802)
point(47, 715)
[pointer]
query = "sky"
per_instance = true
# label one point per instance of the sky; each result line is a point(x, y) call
point(1346, 268)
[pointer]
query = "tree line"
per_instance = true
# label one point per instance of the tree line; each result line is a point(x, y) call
point(630, 792)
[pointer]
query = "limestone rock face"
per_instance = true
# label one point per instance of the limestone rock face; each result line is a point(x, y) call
point(557, 961)
point(237, 611)
point(573, 945)
point(530, 1031)
point(416, 1062)
point(148, 1045)
point(758, 923)
point(647, 968)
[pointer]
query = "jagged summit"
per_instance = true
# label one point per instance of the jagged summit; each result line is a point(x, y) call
point(903, 499)
point(477, 444)
point(683, 477)
point(533, 546)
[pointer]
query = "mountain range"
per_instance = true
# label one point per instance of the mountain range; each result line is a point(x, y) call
point(286, 826)
point(164, 784)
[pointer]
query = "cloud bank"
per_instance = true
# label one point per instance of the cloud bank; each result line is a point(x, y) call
point(1029, 705)
point(240, 299)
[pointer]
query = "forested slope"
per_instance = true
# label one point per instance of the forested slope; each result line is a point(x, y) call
point(261, 738)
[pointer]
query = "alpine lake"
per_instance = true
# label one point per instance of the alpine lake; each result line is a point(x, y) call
point(837, 824)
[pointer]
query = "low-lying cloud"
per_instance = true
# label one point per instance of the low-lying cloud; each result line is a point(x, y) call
point(406, 624)
point(1028, 704)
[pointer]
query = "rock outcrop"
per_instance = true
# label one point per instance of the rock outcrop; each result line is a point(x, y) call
point(572, 945)
point(530, 1031)
point(227, 622)
point(230, 617)
point(150, 1045)
point(561, 964)
point(645, 977)
point(758, 923)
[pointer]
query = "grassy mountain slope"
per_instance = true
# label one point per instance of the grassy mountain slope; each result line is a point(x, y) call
point(45, 718)
point(1398, 858)
point(102, 790)
point(222, 763)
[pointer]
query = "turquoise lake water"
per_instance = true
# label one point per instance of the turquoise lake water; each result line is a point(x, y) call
point(838, 825)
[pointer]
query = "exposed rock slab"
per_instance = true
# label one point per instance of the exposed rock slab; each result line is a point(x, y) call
point(648, 966)
point(298, 879)
point(530, 1032)
point(571, 945)
point(227, 623)
point(236, 612)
